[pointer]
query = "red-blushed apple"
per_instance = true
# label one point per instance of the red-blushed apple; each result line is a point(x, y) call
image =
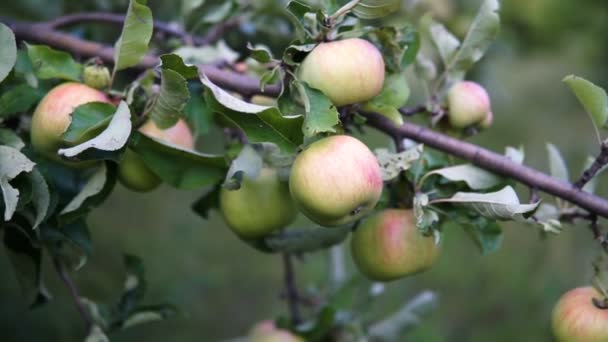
point(388, 246)
point(468, 104)
point(576, 318)
point(53, 116)
point(260, 206)
point(347, 71)
point(487, 121)
point(336, 180)
point(267, 331)
point(133, 172)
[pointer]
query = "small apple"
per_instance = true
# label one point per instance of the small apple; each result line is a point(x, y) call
point(267, 331)
point(347, 71)
point(133, 171)
point(96, 76)
point(336, 180)
point(468, 104)
point(487, 121)
point(576, 318)
point(259, 207)
point(388, 246)
point(52, 116)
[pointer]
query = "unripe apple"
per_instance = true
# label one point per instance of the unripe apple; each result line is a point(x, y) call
point(388, 246)
point(576, 318)
point(53, 116)
point(468, 104)
point(347, 71)
point(336, 180)
point(267, 331)
point(133, 171)
point(259, 207)
point(96, 76)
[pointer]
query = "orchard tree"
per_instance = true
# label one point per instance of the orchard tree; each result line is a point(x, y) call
point(77, 115)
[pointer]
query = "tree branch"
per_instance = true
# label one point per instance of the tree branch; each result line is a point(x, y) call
point(600, 161)
point(73, 290)
point(291, 291)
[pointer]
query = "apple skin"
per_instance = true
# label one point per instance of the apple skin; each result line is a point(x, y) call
point(468, 104)
point(388, 246)
point(96, 76)
point(487, 121)
point(266, 331)
point(347, 71)
point(133, 172)
point(261, 206)
point(52, 117)
point(336, 180)
point(576, 318)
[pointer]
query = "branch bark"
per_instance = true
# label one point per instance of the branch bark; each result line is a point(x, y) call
point(291, 291)
point(600, 161)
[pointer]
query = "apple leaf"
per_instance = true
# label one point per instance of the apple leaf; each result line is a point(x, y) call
point(399, 45)
point(210, 200)
point(425, 217)
point(297, 11)
point(557, 165)
point(179, 167)
point(374, 9)
point(176, 63)
point(18, 99)
point(113, 138)
point(486, 234)
point(12, 163)
point(474, 177)
point(70, 243)
point(395, 91)
point(169, 104)
point(501, 205)
point(88, 120)
point(592, 97)
point(41, 197)
point(248, 164)
point(93, 187)
point(49, 63)
point(321, 115)
point(207, 54)
point(96, 334)
point(516, 155)
point(132, 44)
point(8, 54)
point(259, 123)
point(391, 164)
point(260, 53)
point(11, 139)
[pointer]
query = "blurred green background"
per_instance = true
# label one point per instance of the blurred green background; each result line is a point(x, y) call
point(224, 286)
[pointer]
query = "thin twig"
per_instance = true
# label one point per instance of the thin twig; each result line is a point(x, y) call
point(291, 290)
point(411, 111)
point(600, 161)
point(73, 290)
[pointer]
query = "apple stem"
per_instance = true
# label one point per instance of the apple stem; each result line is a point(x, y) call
point(291, 290)
point(601, 304)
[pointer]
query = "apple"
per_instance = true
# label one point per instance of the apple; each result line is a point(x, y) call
point(388, 246)
point(259, 207)
point(468, 104)
point(487, 121)
point(96, 76)
point(53, 116)
point(133, 172)
point(336, 180)
point(347, 71)
point(267, 331)
point(576, 318)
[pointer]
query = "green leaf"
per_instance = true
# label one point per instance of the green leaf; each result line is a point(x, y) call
point(592, 97)
point(41, 197)
point(395, 91)
point(8, 53)
point(391, 164)
point(113, 138)
point(132, 44)
point(399, 45)
point(149, 314)
point(18, 100)
point(306, 240)
point(207, 54)
point(11, 139)
point(24, 68)
point(502, 205)
point(269, 77)
point(169, 104)
point(93, 187)
point(487, 235)
point(135, 285)
point(248, 164)
point(210, 200)
point(557, 165)
point(88, 120)
point(183, 169)
point(259, 123)
point(321, 114)
point(474, 177)
point(197, 112)
point(49, 63)
point(425, 217)
point(70, 244)
point(297, 11)
point(12, 163)
point(176, 63)
point(96, 334)
point(373, 9)
point(260, 53)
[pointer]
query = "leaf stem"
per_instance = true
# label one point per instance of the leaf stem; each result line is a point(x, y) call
point(73, 290)
point(343, 10)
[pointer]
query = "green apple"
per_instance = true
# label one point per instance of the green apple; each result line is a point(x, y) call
point(96, 76)
point(266, 331)
point(347, 71)
point(336, 180)
point(133, 172)
point(468, 104)
point(576, 318)
point(259, 207)
point(388, 246)
point(53, 116)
